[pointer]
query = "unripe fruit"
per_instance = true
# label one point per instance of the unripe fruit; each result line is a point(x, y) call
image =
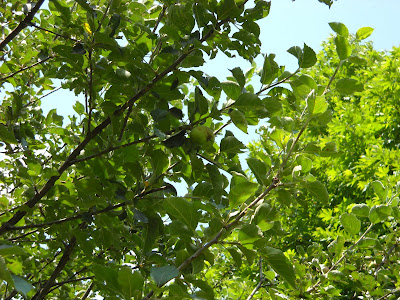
point(202, 136)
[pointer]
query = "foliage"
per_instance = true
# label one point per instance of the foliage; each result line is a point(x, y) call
point(90, 205)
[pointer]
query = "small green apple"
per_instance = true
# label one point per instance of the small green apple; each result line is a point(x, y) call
point(202, 136)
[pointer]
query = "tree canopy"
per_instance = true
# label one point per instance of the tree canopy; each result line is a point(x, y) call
point(91, 205)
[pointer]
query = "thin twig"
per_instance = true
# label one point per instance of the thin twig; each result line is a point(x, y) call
point(104, 15)
point(23, 235)
point(90, 84)
point(52, 32)
point(58, 284)
point(260, 281)
point(277, 83)
point(385, 258)
point(125, 123)
point(160, 16)
point(87, 293)
point(26, 68)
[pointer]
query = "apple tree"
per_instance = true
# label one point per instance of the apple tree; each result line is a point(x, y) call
point(91, 206)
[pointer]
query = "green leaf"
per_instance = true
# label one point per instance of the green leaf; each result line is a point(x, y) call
point(248, 233)
point(278, 261)
point(6, 136)
point(4, 273)
point(183, 210)
point(161, 275)
point(269, 70)
point(231, 89)
point(360, 210)
point(6, 250)
point(349, 86)
point(241, 189)
point(350, 223)
point(259, 169)
point(320, 105)
point(79, 108)
point(318, 191)
point(239, 119)
point(106, 275)
point(248, 102)
point(239, 76)
point(201, 103)
point(227, 8)
point(379, 190)
point(237, 258)
point(343, 47)
point(264, 215)
point(231, 145)
point(339, 28)
point(159, 162)
point(357, 60)
point(130, 284)
point(309, 57)
point(216, 179)
point(364, 32)
point(379, 213)
point(21, 285)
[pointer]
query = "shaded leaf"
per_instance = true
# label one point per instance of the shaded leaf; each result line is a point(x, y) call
point(349, 86)
point(161, 275)
point(278, 261)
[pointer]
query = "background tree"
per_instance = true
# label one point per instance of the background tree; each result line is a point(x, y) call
point(90, 207)
point(351, 244)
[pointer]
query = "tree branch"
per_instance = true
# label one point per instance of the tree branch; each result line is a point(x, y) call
point(260, 281)
point(227, 228)
point(89, 137)
point(42, 292)
point(26, 68)
point(25, 22)
point(52, 32)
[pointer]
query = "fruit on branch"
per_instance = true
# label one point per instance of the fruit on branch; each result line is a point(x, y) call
point(202, 136)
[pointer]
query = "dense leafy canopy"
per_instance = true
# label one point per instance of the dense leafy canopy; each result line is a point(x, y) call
point(90, 205)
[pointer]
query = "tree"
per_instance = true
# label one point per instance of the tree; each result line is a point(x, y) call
point(351, 244)
point(91, 205)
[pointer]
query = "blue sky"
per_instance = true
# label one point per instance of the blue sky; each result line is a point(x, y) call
point(293, 24)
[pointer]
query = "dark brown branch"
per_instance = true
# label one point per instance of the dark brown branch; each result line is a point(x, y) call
point(277, 83)
point(87, 293)
point(160, 16)
point(42, 292)
point(22, 236)
point(79, 216)
point(90, 84)
point(26, 68)
point(25, 22)
point(125, 122)
point(58, 284)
